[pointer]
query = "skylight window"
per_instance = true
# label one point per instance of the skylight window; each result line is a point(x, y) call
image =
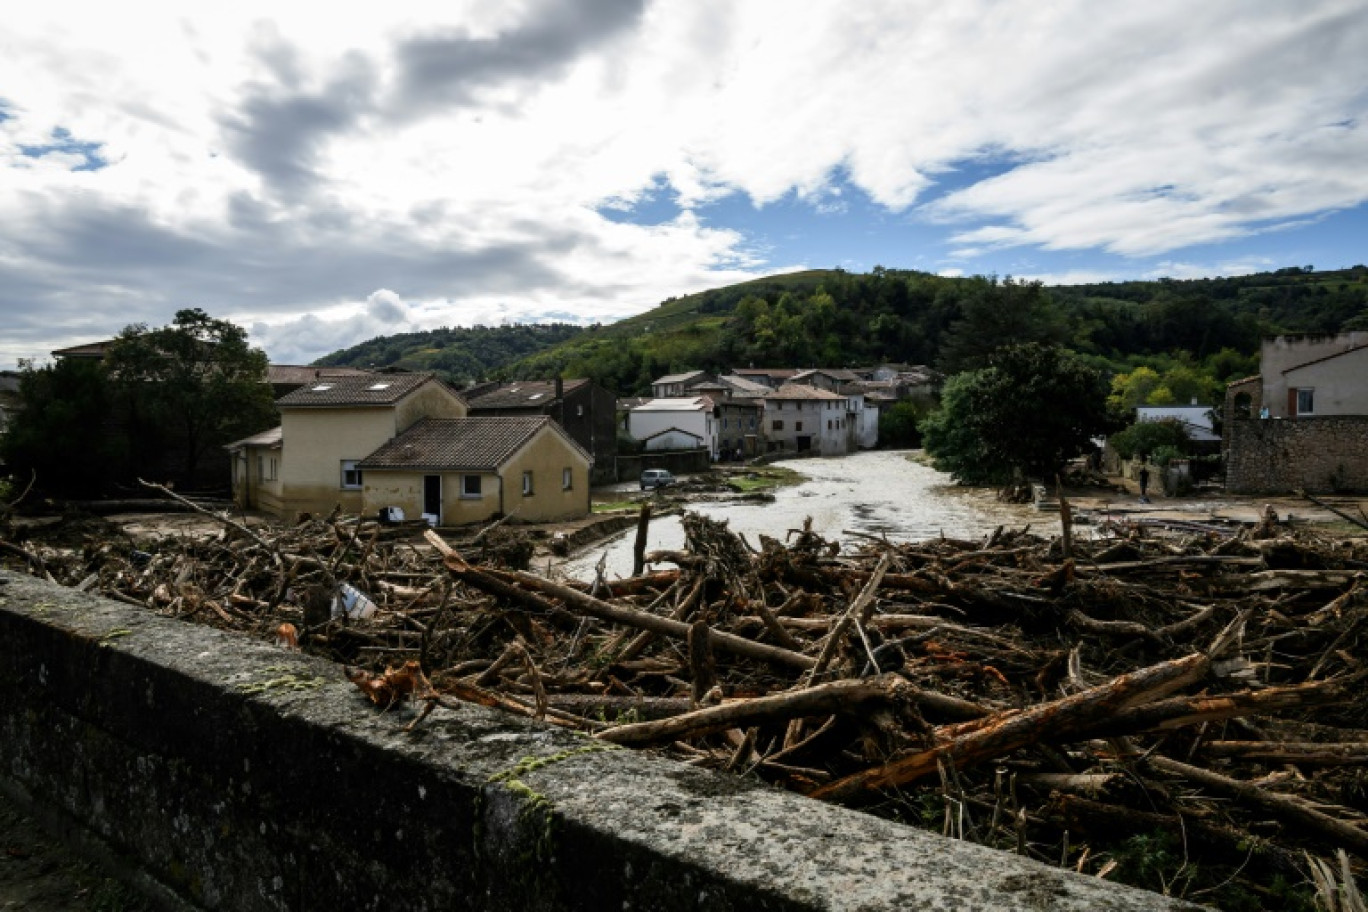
point(535, 396)
point(379, 386)
point(321, 388)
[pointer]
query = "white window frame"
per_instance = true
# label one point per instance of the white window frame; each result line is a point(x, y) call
point(567, 478)
point(1309, 394)
point(350, 466)
point(466, 493)
point(527, 486)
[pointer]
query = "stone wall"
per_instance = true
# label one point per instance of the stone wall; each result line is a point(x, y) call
point(1275, 456)
point(226, 773)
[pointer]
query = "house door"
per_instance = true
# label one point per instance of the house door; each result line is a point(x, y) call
point(432, 496)
point(804, 444)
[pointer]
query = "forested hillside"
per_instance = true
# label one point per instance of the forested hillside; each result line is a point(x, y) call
point(837, 319)
point(1201, 332)
point(461, 354)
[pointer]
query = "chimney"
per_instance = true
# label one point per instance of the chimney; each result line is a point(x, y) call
point(560, 387)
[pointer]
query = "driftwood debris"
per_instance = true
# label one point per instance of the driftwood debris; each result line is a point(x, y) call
point(1177, 707)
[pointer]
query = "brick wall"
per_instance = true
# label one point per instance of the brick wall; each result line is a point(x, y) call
point(1267, 456)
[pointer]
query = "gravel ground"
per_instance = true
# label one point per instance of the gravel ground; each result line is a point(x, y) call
point(40, 874)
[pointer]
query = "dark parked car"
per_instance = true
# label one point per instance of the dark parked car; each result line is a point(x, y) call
point(656, 478)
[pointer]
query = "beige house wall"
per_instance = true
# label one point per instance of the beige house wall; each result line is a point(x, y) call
point(431, 400)
point(1340, 385)
point(1281, 353)
point(315, 443)
point(404, 489)
point(250, 490)
point(546, 456)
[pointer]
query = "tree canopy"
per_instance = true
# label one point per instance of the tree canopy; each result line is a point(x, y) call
point(61, 432)
point(1029, 411)
point(196, 384)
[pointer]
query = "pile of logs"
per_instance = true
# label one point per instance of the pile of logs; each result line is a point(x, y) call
point(1180, 711)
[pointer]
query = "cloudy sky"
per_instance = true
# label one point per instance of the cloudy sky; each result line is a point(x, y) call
point(323, 176)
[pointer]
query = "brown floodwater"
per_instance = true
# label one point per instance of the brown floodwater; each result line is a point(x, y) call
point(875, 493)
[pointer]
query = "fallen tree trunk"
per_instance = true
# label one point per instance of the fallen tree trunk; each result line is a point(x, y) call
point(833, 697)
point(983, 739)
point(602, 610)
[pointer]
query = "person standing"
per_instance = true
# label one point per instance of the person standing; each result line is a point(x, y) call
point(1144, 483)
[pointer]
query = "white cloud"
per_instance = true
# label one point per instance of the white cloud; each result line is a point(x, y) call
point(269, 162)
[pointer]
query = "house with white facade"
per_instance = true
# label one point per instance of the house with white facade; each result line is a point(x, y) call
point(675, 423)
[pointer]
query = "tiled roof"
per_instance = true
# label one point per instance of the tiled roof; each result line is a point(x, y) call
point(303, 373)
point(798, 391)
point(460, 443)
point(742, 385)
point(776, 372)
point(678, 378)
point(521, 394)
point(363, 390)
point(269, 438)
point(834, 373)
point(89, 350)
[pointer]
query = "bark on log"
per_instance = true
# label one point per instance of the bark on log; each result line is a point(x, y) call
point(832, 697)
point(602, 610)
point(971, 742)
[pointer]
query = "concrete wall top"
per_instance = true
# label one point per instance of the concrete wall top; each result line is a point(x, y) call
point(241, 776)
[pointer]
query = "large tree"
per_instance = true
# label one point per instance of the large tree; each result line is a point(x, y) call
point(1029, 411)
point(197, 380)
point(63, 435)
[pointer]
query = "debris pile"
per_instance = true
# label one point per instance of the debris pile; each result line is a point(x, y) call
point(1177, 709)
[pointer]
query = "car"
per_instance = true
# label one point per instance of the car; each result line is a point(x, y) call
point(656, 478)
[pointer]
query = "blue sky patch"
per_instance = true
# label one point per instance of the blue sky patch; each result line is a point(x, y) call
point(64, 142)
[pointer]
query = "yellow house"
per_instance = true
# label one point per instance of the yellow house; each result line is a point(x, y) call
point(311, 463)
point(465, 470)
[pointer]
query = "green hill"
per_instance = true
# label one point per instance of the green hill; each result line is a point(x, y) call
point(462, 355)
point(833, 318)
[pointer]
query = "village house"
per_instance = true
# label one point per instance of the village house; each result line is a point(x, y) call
point(771, 377)
point(1197, 420)
point(741, 388)
point(311, 463)
point(585, 410)
point(1302, 423)
point(683, 423)
point(465, 470)
point(404, 440)
point(804, 419)
point(829, 379)
point(676, 385)
point(740, 427)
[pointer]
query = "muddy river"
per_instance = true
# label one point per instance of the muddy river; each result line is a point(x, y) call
point(876, 493)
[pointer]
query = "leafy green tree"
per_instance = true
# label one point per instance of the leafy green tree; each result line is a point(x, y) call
point(899, 424)
point(197, 379)
point(994, 314)
point(1029, 411)
point(63, 433)
point(1133, 389)
point(1144, 438)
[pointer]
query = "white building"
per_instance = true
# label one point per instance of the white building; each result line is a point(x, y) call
point(1195, 419)
point(862, 422)
point(675, 423)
